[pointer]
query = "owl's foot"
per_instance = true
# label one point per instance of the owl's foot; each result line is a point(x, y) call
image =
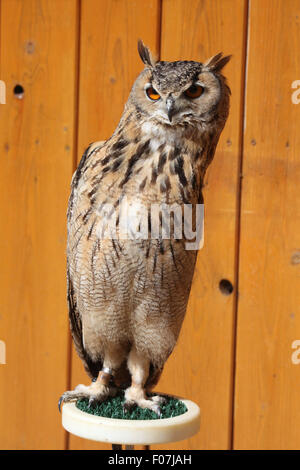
point(95, 393)
point(158, 399)
point(137, 397)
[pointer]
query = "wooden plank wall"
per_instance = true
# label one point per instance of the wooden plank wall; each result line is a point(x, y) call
point(77, 60)
point(37, 145)
point(267, 413)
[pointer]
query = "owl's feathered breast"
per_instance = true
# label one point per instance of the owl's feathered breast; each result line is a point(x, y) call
point(144, 169)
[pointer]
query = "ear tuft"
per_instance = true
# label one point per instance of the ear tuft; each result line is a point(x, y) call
point(217, 62)
point(145, 54)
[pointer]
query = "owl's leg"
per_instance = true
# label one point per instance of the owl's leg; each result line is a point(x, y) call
point(138, 366)
point(100, 388)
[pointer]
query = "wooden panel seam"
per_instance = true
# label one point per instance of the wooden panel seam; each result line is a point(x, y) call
point(238, 212)
point(75, 153)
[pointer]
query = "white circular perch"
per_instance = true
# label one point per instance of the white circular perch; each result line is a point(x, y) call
point(131, 432)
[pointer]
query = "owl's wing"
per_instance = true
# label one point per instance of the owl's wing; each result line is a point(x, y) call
point(91, 367)
point(94, 147)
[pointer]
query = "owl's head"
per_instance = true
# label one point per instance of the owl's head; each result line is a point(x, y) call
point(180, 93)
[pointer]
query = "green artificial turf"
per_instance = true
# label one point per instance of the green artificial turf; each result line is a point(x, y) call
point(113, 408)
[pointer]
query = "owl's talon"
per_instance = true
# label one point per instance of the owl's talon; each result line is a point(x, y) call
point(138, 397)
point(128, 406)
point(94, 393)
point(158, 399)
point(68, 396)
point(92, 402)
point(156, 409)
point(60, 402)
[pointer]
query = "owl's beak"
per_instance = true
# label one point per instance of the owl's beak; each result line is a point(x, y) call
point(170, 103)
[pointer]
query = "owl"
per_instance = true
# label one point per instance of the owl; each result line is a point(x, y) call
point(128, 295)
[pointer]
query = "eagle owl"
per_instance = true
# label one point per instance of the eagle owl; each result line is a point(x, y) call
point(128, 296)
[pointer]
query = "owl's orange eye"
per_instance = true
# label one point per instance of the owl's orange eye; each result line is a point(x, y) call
point(194, 91)
point(152, 94)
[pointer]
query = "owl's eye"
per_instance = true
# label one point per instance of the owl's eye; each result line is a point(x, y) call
point(194, 91)
point(152, 93)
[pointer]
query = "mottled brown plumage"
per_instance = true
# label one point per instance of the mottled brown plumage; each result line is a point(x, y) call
point(127, 298)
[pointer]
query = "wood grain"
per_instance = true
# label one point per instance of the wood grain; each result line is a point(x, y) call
point(109, 63)
point(36, 167)
point(201, 367)
point(267, 412)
